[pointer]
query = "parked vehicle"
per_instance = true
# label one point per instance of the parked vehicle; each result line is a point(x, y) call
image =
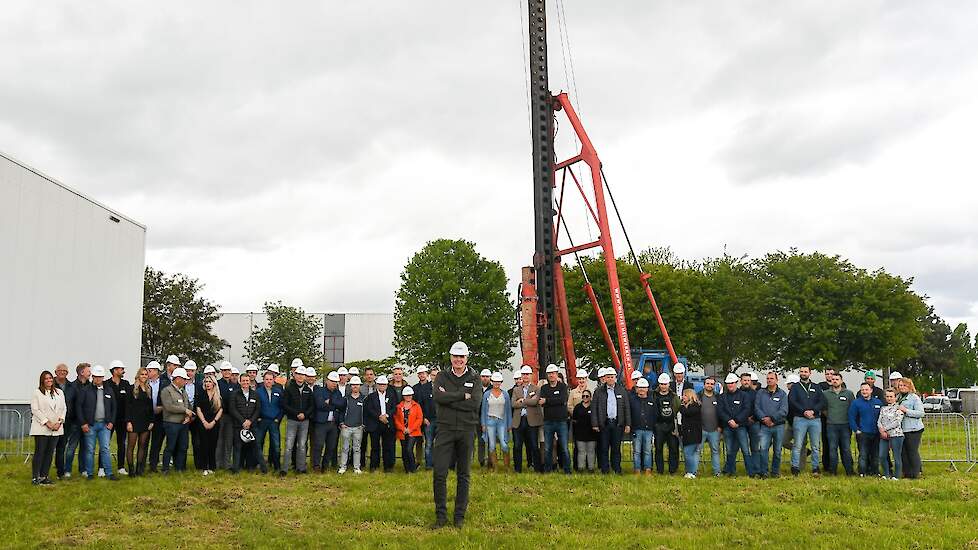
point(937, 404)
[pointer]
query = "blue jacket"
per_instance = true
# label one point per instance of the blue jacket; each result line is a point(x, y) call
point(328, 401)
point(804, 399)
point(644, 411)
point(864, 413)
point(737, 406)
point(774, 405)
point(271, 409)
point(507, 410)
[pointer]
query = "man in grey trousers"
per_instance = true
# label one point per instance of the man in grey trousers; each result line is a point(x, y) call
point(299, 406)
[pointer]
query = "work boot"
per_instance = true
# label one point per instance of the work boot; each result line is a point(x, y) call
point(491, 461)
point(506, 461)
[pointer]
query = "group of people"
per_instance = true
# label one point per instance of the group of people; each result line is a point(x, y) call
point(223, 418)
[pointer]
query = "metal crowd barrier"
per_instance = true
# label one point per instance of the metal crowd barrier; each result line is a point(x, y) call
point(12, 433)
point(947, 438)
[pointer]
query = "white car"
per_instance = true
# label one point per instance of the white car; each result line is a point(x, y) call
point(937, 404)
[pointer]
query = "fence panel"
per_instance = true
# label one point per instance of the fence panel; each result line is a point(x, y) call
point(12, 433)
point(972, 440)
point(946, 438)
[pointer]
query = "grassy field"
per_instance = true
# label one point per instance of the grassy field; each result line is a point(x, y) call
point(506, 510)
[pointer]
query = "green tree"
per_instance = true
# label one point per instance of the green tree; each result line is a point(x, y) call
point(450, 292)
point(176, 320)
point(733, 287)
point(965, 358)
point(290, 334)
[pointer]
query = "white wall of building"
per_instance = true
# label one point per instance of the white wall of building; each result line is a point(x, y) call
point(71, 280)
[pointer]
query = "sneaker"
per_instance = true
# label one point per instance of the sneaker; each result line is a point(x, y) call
point(46, 481)
point(35, 481)
point(689, 476)
point(101, 472)
point(358, 471)
point(342, 471)
point(816, 473)
point(716, 474)
point(204, 473)
point(122, 472)
point(895, 478)
point(67, 475)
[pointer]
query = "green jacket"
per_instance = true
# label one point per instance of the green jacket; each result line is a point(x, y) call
point(454, 411)
point(837, 405)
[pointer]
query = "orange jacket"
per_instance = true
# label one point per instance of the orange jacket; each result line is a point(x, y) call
point(415, 418)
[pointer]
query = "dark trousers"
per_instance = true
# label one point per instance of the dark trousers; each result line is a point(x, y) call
point(407, 453)
point(609, 443)
point(324, 438)
point(156, 438)
point(826, 459)
point(225, 442)
point(242, 453)
point(268, 426)
point(869, 455)
point(481, 438)
point(525, 435)
point(382, 440)
point(452, 446)
point(840, 438)
point(120, 441)
point(176, 446)
point(208, 449)
point(59, 452)
point(912, 466)
point(363, 450)
point(195, 442)
point(44, 447)
point(664, 437)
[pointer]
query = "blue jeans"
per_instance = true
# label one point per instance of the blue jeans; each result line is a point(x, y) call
point(811, 427)
point(429, 439)
point(496, 429)
point(840, 442)
point(270, 427)
point(73, 440)
point(98, 432)
point(771, 437)
point(737, 440)
point(559, 427)
point(176, 446)
point(896, 444)
point(692, 455)
point(642, 450)
point(754, 435)
point(713, 438)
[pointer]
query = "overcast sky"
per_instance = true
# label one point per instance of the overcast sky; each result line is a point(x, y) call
point(304, 154)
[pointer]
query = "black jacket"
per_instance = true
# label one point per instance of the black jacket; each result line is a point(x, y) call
point(643, 411)
point(803, 398)
point(691, 430)
point(298, 400)
point(371, 411)
point(328, 401)
point(71, 393)
point(242, 409)
point(666, 408)
point(737, 406)
point(122, 392)
point(599, 406)
point(454, 411)
point(85, 404)
point(555, 406)
point(139, 410)
point(687, 385)
point(425, 397)
point(581, 418)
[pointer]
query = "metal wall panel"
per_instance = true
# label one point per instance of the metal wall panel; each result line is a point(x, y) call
point(71, 280)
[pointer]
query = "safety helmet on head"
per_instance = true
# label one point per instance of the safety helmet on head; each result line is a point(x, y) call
point(636, 375)
point(296, 362)
point(408, 390)
point(497, 377)
point(98, 370)
point(459, 348)
point(552, 368)
point(355, 381)
point(679, 368)
point(642, 383)
point(172, 360)
point(190, 365)
point(153, 365)
point(663, 378)
point(731, 379)
point(180, 372)
point(333, 376)
point(485, 372)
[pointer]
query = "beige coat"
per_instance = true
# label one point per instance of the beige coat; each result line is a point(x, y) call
point(534, 412)
point(45, 408)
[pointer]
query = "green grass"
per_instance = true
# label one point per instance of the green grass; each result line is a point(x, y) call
point(506, 511)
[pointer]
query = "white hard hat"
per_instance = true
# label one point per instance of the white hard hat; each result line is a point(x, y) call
point(517, 374)
point(895, 375)
point(153, 365)
point(581, 373)
point(310, 372)
point(98, 370)
point(333, 376)
point(679, 368)
point(794, 379)
point(225, 365)
point(251, 367)
point(497, 377)
point(731, 379)
point(642, 383)
point(272, 368)
point(459, 348)
point(485, 372)
point(234, 370)
point(552, 368)
point(354, 371)
point(342, 371)
point(526, 369)
point(355, 381)
point(422, 368)
point(116, 364)
point(753, 376)
point(381, 380)
point(180, 372)
point(190, 365)
point(408, 390)
point(636, 375)
point(209, 369)
point(602, 372)
point(296, 362)
point(172, 360)
point(663, 378)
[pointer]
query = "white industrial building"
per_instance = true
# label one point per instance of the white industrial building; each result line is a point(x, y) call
point(71, 281)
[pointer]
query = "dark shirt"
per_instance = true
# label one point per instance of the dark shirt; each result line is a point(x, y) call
point(555, 406)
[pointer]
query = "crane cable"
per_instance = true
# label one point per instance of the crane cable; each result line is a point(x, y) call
point(620, 222)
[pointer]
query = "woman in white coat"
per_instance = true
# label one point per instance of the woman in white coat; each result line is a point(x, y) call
point(47, 425)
